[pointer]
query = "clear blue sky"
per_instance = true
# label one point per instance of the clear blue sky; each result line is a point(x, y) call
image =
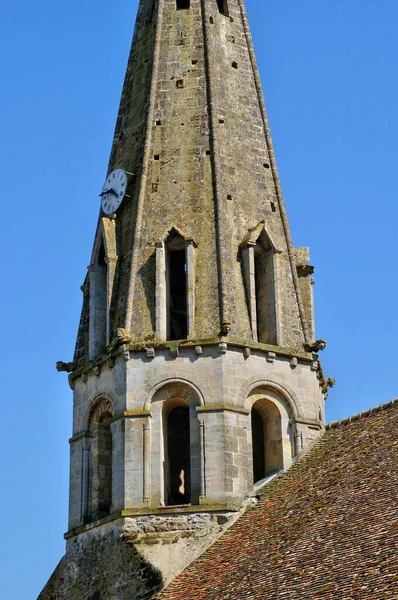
point(329, 71)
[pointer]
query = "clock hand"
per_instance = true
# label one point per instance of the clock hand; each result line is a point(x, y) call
point(110, 191)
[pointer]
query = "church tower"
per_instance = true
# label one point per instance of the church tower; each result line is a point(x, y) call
point(195, 376)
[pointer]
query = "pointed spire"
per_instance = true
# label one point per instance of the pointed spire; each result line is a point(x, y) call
point(193, 132)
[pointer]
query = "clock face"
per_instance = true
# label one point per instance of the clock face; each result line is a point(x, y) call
point(113, 191)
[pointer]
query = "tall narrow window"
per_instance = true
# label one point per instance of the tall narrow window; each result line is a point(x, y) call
point(223, 7)
point(100, 488)
point(265, 294)
point(259, 263)
point(98, 304)
point(266, 439)
point(258, 446)
point(183, 4)
point(178, 457)
point(177, 305)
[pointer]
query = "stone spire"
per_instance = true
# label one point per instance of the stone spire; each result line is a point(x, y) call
point(195, 378)
point(192, 131)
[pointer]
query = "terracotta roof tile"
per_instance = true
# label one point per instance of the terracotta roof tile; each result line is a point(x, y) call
point(328, 528)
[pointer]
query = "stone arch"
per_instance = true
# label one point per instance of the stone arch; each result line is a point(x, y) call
point(192, 388)
point(272, 436)
point(175, 442)
point(276, 384)
point(100, 403)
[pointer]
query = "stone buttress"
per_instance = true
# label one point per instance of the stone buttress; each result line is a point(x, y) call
point(195, 375)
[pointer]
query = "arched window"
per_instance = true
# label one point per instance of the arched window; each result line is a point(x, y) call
point(182, 475)
point(175, 286)
point(223, 7)
point(98, 303)
point(259, 260)
point(176, 279)
point(100, 469)
point(265, 292)
point(266, 439)
point(178, 456)
point(182, 4)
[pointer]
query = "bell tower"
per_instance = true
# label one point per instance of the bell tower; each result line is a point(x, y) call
point(195, 376)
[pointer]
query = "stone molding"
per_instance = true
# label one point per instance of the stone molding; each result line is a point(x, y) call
point(222, 407)
point(95, 403)
point(157, 383)
point(277, 385)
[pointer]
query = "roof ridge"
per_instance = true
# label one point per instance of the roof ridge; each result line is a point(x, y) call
point(363, 414)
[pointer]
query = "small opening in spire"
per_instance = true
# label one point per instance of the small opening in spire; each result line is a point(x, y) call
point(98, 303)
point(183, 4)
point(223, 7)
point(177, 301)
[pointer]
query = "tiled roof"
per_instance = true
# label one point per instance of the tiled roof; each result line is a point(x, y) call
point(326, 529)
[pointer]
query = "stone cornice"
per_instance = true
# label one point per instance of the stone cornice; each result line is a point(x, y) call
point(160, 511)
point(232, 343)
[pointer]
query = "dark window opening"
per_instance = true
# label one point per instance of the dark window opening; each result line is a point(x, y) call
point(211, 20)
point(235, 65)
point(101, 486)
point(267, 443)
point(265, 293)
point(179, 456)
point(223, 7)
point(99, 305)
point(177, 294)
point(258, 445)
point(183, 4)
point(156, 157)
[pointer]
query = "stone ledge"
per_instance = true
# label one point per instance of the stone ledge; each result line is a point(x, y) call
point(163, 511)
point(181, 344)
point(220, 408)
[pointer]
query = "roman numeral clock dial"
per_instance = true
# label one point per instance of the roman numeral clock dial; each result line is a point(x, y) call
point(113, 191)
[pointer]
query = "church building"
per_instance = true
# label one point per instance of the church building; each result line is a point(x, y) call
point(197, 385)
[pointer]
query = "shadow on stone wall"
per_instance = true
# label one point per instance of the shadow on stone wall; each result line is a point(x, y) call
point(99, 565)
